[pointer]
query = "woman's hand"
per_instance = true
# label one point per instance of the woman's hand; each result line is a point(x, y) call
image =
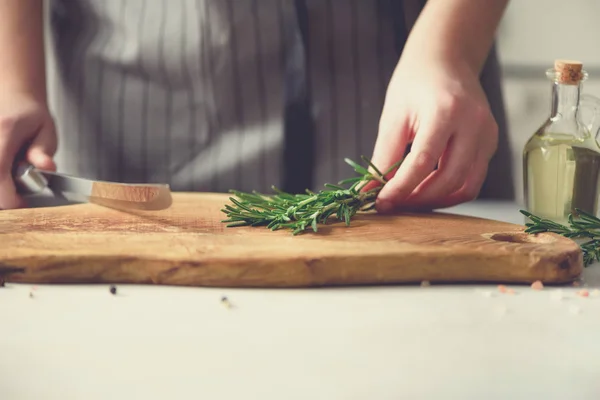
point(25, 123)
point(443, 111)
point(26, 127)
point(435, 101)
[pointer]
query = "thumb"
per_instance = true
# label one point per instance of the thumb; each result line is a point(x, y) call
point(42, 149)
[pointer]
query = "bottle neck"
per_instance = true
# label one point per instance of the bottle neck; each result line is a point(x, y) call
point(565, 100)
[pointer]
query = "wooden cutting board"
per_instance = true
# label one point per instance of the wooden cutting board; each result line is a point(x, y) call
point(188, 245)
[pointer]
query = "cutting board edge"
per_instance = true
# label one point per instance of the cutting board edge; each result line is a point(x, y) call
point(301, 271)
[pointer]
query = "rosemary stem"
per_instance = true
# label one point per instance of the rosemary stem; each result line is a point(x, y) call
point(309, 200)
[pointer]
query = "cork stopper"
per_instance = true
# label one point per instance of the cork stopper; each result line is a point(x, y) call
point(569, 72)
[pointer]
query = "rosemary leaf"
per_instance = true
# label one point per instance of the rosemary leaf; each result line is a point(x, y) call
point(582, 225)
point(299, 212)
point(358, 168)
point(377, 171)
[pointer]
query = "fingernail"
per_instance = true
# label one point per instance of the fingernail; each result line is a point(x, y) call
point(384, 206)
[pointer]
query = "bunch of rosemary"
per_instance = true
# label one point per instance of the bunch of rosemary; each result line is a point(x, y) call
point(583, 226)
point(299, 212)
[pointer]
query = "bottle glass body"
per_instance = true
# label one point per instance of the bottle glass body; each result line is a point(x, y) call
point(561, 161)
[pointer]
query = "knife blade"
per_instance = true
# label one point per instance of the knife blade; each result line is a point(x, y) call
point(31, 180)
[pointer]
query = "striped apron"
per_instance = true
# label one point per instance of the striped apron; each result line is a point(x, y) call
point(213, 95)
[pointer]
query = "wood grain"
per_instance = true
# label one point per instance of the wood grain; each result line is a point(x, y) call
point(188, 245)
point(147, 197)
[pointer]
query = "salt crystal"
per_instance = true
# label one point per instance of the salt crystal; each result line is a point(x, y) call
point(537, 285)
point(425, 284)
point(595, 292)
point(486, 293)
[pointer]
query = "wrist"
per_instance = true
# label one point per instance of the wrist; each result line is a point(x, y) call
point(459, 58)
point(455, 33)
point(33, 89)
point(442, 64)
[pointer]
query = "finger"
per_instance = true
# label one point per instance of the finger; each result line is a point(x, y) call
point(469, 190)
point(453, 169)
point(9, 146)
point(427, 148)
point(13, 136)
point(41, 151)
point(477, 172)
point(9, 199)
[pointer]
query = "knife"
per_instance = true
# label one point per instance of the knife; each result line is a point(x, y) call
point(31, 180)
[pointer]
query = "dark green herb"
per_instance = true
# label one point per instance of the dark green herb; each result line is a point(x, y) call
point(582, 226)
point(299, 212)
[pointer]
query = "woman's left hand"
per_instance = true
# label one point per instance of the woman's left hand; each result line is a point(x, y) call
point(442, 109)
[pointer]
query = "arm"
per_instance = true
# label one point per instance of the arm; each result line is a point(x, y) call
point(22, 65)
point(460, 32)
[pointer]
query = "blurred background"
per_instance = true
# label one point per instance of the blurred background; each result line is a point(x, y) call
point(532, 35)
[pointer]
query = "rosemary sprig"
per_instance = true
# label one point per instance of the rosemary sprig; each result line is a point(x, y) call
point(582, 226)
point(299, 212)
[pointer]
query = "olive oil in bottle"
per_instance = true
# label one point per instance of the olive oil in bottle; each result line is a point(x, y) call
point(561, 161)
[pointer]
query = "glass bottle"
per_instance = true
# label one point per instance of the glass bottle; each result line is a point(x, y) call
point(561, 161)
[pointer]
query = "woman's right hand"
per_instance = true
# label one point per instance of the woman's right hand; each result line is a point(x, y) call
point(26, 130)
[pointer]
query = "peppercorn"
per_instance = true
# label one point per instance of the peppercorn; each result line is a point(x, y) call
point(225, 302)
point(113, 289)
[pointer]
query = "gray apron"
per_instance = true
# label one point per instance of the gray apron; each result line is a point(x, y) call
point(213, 95)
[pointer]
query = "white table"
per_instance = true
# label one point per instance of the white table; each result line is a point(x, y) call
point(409, 342)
